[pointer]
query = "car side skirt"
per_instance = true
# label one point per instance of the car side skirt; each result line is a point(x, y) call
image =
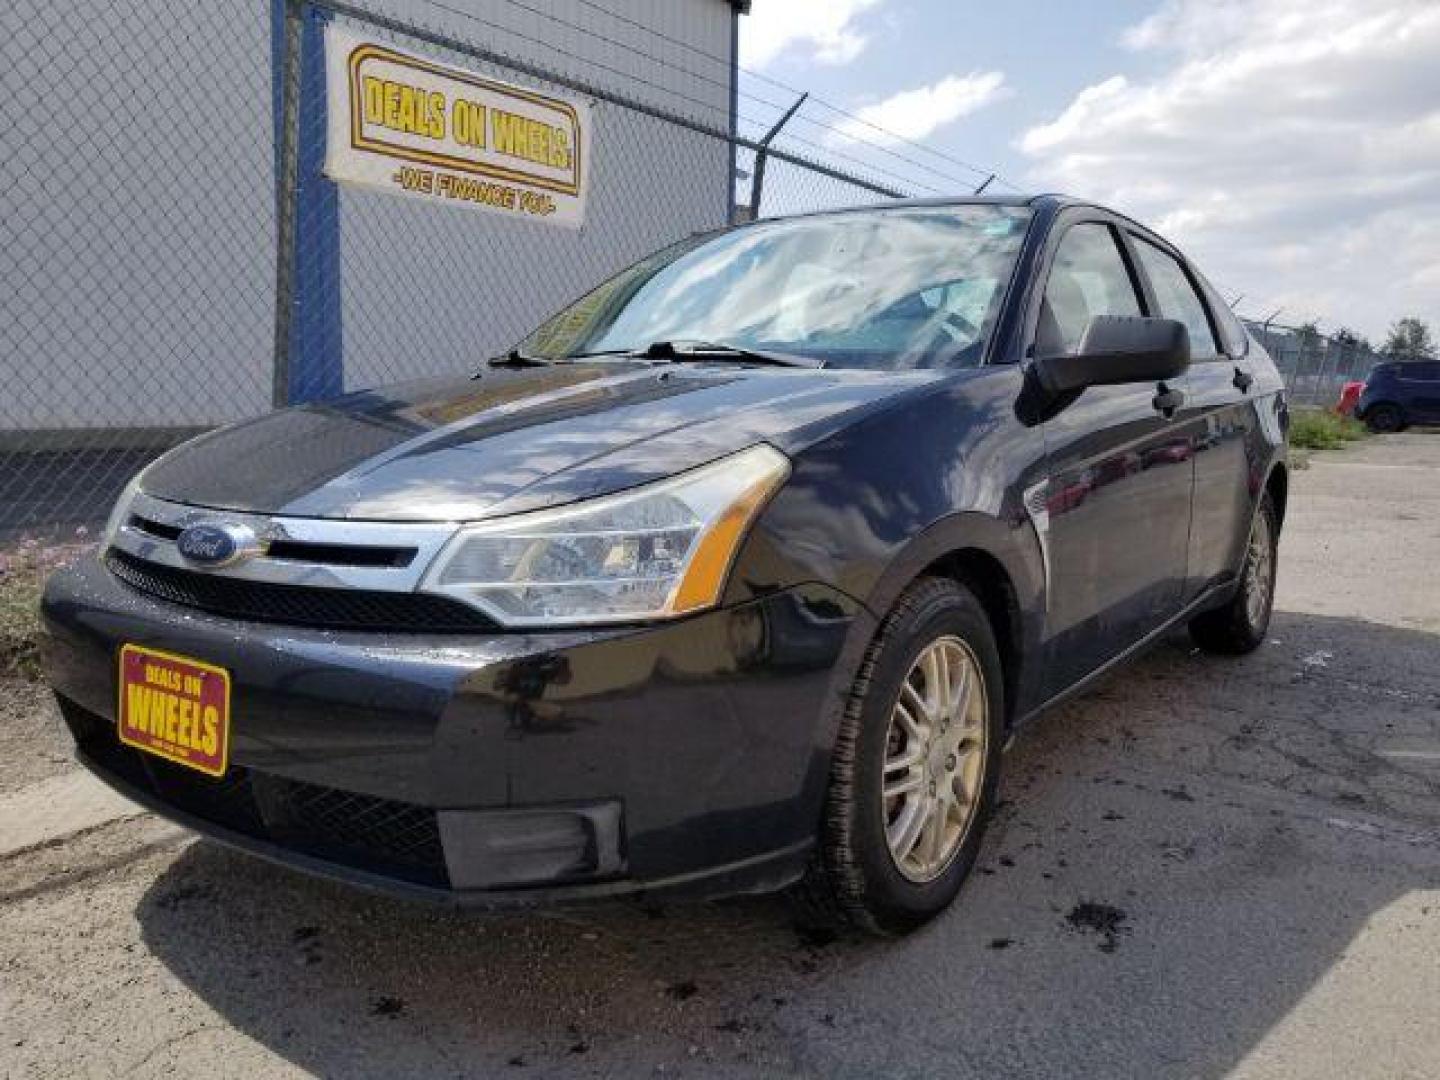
point(1213, 597)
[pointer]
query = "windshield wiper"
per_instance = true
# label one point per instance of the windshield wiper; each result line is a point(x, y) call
point(516, 358)
point(600, 353)
point(680, 351)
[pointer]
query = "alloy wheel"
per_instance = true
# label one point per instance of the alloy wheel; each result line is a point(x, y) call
point(1260, 572)
point(934, 759)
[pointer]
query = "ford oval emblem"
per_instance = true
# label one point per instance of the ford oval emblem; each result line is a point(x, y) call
point(216, 545)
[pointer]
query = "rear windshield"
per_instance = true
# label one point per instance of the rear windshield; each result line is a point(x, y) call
point(903, 288)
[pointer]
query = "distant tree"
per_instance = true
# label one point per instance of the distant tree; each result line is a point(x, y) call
point(1350, 343)
point(1409, 339)
point(1354, 350)
point(1307, 337)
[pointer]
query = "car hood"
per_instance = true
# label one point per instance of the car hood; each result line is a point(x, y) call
point(511, 439)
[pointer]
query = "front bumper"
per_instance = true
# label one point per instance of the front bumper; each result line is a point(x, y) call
point(490, 770)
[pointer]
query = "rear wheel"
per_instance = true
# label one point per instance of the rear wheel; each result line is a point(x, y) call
point(915, 767)
point(1383, 417)
point(1240, 626)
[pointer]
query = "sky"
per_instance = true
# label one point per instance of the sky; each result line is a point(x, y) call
point(1291, 147)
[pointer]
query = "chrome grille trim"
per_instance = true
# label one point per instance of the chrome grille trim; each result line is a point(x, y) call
point(425, 538)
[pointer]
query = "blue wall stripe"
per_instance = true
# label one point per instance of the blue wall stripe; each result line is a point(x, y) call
point(317, 365)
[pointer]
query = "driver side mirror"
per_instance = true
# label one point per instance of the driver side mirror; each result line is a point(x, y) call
point(1115, 350)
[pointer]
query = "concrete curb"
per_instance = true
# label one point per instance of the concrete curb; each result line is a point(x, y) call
point(57, 808)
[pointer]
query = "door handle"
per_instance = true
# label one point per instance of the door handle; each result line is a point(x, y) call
point(1242, 381)
point(1167, 400)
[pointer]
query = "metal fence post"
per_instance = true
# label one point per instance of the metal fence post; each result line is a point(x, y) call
point(286, 56)
point(1321, 388)
point(762, 152)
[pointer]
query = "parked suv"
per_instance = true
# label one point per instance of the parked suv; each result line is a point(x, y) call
point(1401, 393)
point(737, 574)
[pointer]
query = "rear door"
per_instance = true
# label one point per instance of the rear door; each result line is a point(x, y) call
point(1216, 418)
point(1117, 502)
point(1421, 382)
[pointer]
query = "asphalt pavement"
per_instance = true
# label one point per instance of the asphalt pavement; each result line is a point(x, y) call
point(1203, 867)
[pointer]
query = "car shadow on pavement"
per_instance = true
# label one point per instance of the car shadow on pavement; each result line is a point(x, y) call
point(1183, 855)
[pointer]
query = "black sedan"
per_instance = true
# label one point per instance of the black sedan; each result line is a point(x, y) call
point(737, 574)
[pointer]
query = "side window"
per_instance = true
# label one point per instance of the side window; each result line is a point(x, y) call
point(1232, 331)
point(1087, 278)
point(1177, 297)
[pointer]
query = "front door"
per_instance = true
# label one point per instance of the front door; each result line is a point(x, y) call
point(1117, 501)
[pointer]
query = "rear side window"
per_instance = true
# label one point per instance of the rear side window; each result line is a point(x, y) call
point(1419, 371)
point(1233, 339)
point(1087, 278)
point(1177, 297)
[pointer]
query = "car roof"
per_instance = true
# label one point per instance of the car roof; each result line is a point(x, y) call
point(1051, 201)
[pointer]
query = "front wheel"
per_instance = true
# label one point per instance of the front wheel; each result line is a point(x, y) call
point(1240, 626)
point(915, 767)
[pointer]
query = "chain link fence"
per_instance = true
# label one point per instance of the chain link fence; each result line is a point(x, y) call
point(175, 258)
point(1316, 366)
point(137, 271)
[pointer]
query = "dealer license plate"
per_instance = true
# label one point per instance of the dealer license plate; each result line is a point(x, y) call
point(175, 708)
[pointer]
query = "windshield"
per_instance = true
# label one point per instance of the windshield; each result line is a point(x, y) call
point(891, 289)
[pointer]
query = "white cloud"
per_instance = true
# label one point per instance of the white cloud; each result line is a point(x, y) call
point(917, 113)
point(824, 30)
point(1292, 146)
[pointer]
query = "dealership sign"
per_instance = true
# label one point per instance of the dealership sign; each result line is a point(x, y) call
point(404, 124)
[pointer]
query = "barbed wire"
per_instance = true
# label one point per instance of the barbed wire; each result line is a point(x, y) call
point(979, 170)
point(779, 107)
point(709, 106)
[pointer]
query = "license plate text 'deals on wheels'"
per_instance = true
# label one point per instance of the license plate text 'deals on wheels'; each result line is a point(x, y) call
point(175, 707)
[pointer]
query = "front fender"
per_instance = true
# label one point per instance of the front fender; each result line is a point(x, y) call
point(1014, 545)
point(1013, 550)
point(869, 508)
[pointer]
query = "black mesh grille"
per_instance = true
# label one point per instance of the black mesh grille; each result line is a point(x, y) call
point(382, 836)
point(227, 800)
point(298, 605)
point(334, 824)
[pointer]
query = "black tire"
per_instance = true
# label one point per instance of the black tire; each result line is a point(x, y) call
point(1240, 626)
point(853, 881)
point(1384, 418)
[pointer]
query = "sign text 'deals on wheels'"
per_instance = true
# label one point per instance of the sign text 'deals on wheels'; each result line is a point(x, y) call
point(401, 123)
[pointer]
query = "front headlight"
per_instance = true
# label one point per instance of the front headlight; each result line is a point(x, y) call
point(650, 553)
point(120, 511)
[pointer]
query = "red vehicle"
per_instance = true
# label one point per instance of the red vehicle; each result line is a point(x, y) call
point(1349, 398)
